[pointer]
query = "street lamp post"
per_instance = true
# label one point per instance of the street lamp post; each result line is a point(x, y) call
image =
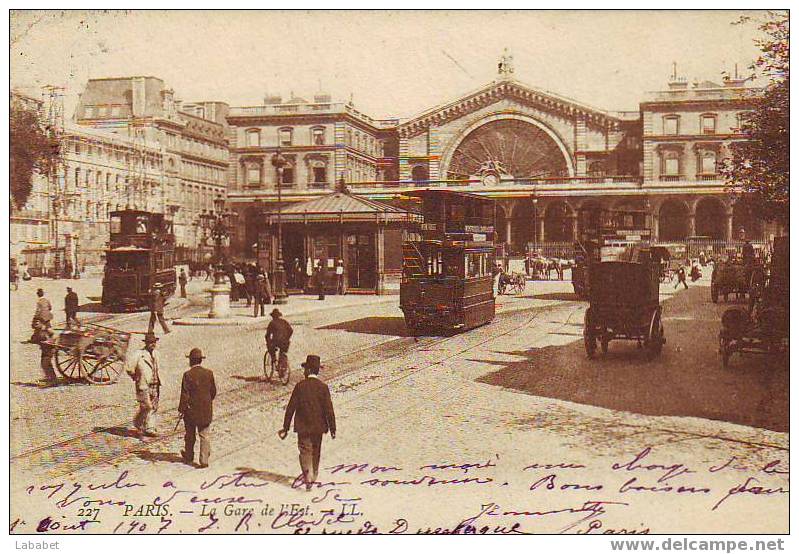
point(279, 273)
point(217, 225)
point(535, 223)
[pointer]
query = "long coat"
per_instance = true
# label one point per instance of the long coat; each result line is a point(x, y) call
point(197, 393)
point(311, 407)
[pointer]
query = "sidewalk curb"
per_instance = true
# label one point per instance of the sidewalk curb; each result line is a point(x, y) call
point(245, 321)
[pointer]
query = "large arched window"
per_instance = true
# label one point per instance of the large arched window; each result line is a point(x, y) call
point(671, 164)
point(419, 173)
point(253, 137)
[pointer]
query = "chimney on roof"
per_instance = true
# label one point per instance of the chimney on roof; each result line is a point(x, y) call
point(735, 81)
point(676, 82)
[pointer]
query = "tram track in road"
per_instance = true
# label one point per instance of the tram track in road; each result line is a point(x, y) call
point(98, 447)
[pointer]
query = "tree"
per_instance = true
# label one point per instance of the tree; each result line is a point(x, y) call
point(757, 173)
point(32, 151)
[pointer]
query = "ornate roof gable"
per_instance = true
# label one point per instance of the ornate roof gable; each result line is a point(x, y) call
point(499, 90)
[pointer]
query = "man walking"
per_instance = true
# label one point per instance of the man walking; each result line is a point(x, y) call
point(312, 409)
point(143, 368)
point(71, 307)
point(157, 310)
point(42, 316)
point(681, 277)
point(182, 279)
point(197, 393)
point(261, 296)
point(46, 359)
point(321, 278)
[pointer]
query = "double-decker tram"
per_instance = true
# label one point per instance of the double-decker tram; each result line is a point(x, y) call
point(447, 282)
point(141, 256)
point(606, 235)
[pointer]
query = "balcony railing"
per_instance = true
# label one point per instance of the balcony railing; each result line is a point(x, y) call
point(708, 177)
point(672, 178)
point(319, 184)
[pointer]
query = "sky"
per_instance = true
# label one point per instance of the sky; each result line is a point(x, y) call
point(394, 64)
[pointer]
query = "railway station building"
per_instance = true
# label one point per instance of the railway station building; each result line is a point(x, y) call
point(543, 157)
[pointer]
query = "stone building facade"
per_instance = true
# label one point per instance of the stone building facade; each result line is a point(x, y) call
point(192, 136)
point(547, 160)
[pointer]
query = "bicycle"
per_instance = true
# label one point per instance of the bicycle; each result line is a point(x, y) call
point(276, 364)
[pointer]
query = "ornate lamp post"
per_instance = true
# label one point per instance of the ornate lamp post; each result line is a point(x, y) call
point(279, 272)
point(217, 225)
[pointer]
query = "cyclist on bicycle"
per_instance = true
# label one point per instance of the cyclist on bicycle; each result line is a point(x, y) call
point(278, 335)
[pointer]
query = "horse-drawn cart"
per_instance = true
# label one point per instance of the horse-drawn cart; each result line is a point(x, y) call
point(736, 277)
point(91, 352)
point(625, 304)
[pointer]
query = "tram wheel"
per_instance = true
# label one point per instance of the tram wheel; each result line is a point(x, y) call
point(589, 338)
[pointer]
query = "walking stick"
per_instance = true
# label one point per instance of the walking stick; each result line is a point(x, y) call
point(177, 423)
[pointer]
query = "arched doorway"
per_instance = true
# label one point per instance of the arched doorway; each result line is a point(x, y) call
point(523, 221)
point(558, 222)
point(710, 219)
point(673, 220)
point(744, 223)
point(502, 225)
point(588, 216)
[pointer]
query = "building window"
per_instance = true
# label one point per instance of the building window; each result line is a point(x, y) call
point(318, 136)
point(288, 175)
point(102, 111)
point(285, 137)
point(77, 176)
point(708, 124)
point(253, 137)
point(320, 175)
point(596, 169)
point(671, 125)
point(671, 164)
point(115, 111)
point(708, 163)
point(740, 121)
point(88, 111)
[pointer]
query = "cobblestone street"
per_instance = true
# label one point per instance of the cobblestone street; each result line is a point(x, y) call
point(399, 400)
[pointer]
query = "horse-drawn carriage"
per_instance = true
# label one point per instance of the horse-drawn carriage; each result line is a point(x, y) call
point(92, 353)
point(764, 327)
point(625, 304)
point(736, 277)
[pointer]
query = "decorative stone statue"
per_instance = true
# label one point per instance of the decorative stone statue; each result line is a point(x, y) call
point(505, 65)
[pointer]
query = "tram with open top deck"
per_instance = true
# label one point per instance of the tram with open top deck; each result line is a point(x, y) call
point(447, 278)
point(141, 255)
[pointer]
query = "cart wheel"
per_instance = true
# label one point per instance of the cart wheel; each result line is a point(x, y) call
point(654, 340)
point(714, 293)
point(588, 335)
point(106, 371)
point(73, 364)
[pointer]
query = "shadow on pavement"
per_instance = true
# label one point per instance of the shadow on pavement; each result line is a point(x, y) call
point(43, 384)
point(391, 326)
point(687, 379)
point(149, 456)
point(118, 431)
point(250, 378)
point(264, 475)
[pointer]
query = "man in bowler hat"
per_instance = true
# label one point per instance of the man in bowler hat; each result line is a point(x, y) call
point(197, 393)
point(312, 409)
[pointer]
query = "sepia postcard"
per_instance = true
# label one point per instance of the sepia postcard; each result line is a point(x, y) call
point(400, 272)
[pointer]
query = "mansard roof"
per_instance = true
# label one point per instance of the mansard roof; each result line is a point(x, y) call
point(498, 90)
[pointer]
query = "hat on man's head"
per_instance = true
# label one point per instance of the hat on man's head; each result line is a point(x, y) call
point(260, 277)
point(157, 286)
point(150, 338)
point(312, 362)
point(275, 313)
point(196, 354)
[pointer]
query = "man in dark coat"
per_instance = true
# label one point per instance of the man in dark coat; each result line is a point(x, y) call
point(312, 409)
point(197, 392)
point(71, 307)
point(157, 310)
point(183, 279)
point(321, 278)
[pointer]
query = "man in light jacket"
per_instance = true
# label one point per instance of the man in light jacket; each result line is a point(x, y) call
point(143, 367)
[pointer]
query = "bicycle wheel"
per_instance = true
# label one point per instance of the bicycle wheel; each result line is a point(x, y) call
point(284, 372)
point(270, 365)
